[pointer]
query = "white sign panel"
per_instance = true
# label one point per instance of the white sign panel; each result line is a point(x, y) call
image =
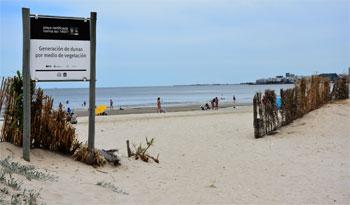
point(59, 60)
point(59, 49)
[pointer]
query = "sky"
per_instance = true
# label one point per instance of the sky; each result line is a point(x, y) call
point(172, 42)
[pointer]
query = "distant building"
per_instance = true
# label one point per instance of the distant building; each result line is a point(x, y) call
point(330, 76)
point(261, 81)
point(290, 75)
point(279, 79)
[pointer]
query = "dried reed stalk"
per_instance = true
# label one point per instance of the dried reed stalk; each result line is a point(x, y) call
point(49, 127)
point(341, 88)
point(3, 91)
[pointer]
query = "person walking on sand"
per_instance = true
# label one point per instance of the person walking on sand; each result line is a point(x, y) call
point(159, 106)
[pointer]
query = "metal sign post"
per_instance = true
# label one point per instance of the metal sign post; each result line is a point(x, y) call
point(26, 83)
point(58, 48)
point(91, 135)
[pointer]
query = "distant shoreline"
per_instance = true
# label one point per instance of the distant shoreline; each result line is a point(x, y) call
point(141, 110)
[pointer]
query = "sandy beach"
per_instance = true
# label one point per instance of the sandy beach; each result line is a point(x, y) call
point(206, 157)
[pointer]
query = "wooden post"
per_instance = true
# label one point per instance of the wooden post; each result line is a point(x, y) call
point(128, 148)
point(255, 117)
point(26, 83)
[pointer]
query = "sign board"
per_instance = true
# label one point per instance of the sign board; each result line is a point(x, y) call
point(59, 48)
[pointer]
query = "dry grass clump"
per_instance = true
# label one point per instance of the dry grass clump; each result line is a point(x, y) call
point(50, 128)
point(92, 158)
point(140, 151)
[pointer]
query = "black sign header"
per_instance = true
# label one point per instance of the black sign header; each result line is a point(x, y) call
point(59, 28)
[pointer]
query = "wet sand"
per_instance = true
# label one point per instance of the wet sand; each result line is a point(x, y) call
point(140, 110)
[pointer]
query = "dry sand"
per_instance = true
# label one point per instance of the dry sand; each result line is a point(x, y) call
point(207, 157)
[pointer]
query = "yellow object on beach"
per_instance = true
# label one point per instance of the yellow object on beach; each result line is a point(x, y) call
point(100, 109)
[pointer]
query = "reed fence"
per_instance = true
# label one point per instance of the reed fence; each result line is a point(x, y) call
point(308, 94)
point(49, 128)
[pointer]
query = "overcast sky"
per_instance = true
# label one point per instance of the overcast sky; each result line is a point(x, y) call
point(170, 42)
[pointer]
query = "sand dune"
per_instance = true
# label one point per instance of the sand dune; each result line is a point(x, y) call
point(207, 157)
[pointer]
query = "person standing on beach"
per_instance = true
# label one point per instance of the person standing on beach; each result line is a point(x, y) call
point(110, 103)
point(216, 103)
point(212, 104)
point(84, 103)
point(159, 107)
point(234, 101)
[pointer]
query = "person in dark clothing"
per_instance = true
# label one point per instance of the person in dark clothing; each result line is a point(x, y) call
point(110, 103)
point(207, 107)
point(213, 103)
point(234, 101)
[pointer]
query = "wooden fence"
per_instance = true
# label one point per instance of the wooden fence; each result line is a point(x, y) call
point(307, 95)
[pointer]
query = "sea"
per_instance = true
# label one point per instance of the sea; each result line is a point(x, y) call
point(178, 95)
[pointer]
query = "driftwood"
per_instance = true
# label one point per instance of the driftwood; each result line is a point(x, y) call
point(93, 157)
point(140, 152)
point(110, 156)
